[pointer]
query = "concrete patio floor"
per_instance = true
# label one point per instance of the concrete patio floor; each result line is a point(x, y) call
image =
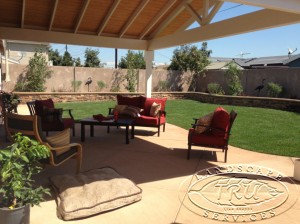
point(158, 165)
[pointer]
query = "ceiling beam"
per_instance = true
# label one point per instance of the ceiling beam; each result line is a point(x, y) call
point(82, 12)
point(201, 11)
point(173, 15)
point(108, 16)
point(194, 13)
point(280, 5)
point(161, 13)
point(262, 19)
point(53, 14)
point(212, 13)
point(70, 38)
point(23, 13)
point(206, 7)
point(136, 13)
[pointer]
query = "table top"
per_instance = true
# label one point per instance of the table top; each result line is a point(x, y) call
point(121, 121)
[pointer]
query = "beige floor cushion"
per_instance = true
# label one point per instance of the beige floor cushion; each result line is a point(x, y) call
point(93, 192)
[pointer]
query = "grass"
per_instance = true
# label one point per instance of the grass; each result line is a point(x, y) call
point(257, 129)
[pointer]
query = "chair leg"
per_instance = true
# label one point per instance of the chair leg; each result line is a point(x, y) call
point(225, 157)
point(158, 132)
point(189, 151)
point(164, 127)
point(79, 159)
point(73, 129)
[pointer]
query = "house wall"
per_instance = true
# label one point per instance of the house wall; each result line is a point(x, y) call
point(22, 52)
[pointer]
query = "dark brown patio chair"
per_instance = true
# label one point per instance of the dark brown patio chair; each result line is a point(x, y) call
point(215, 134)
point(59, 144)
point(51, 117)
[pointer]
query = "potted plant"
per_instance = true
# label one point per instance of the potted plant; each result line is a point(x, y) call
point(9, 101)
point(18, 163)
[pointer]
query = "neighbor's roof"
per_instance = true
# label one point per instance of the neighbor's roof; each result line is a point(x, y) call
point(135, 24)
point(267, 61)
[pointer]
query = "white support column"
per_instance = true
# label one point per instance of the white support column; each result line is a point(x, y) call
point(149, 57)
point(7, 78)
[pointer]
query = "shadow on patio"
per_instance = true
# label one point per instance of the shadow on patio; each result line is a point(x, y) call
point(158, 165)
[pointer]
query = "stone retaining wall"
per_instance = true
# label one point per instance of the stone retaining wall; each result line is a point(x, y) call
point(274, 103)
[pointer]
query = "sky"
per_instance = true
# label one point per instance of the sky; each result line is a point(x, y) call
point(269, 42)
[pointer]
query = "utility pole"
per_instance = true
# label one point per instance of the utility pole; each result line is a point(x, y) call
point(116, 58)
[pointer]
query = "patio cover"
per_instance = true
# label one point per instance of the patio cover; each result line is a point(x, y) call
point(135, 24)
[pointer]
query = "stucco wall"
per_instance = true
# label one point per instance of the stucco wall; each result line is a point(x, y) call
point(288, 78)
point(62, 77)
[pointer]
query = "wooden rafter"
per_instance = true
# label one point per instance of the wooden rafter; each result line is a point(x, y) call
point(206, 7)
point(82, 12)
point(162, 12)
point(212, 13)
point(280, 5)
point(53, 14)
point(133, 17)
point(237, 25)
point(173, 15)
point(108, 16)
point(194, 13)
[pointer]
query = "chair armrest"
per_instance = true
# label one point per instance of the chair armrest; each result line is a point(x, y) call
point(195, 120)
point(70, 112)
point(110, 110)
point(162, 112)
point(61, 148)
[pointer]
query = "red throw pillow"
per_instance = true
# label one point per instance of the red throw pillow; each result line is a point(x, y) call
point(220, 121)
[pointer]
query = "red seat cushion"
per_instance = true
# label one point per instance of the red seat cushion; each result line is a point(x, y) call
point(137, 101)
point(68, 123)
point(149, 121)
point(220, 120)
point(205, 138)
point(150, 101)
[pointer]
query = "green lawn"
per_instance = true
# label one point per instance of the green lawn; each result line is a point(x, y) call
point(257, 129)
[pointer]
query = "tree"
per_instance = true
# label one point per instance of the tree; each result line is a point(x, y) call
point(78, 62)
point(55, 57)
point(36, 75)
point(233, 78)
point(91, 58)
point(188, 58)
point(67, 59)
point(133, 62)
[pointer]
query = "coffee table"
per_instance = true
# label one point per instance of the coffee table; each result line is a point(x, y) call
point(119, 123)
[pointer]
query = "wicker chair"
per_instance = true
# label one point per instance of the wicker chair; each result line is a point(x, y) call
point(59, 144)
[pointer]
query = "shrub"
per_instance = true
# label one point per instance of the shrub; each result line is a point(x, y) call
point(215, 88)
point(273, 89)
point(36, 75)
point(76, 85)
point(162, 86)
point(233, 77)
point(101, 85)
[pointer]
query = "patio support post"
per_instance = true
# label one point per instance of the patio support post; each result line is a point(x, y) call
point(149, 57)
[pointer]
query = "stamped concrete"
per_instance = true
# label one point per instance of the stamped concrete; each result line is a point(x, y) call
point(159, 166)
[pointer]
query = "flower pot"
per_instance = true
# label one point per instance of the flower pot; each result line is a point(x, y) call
point(15, 216)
